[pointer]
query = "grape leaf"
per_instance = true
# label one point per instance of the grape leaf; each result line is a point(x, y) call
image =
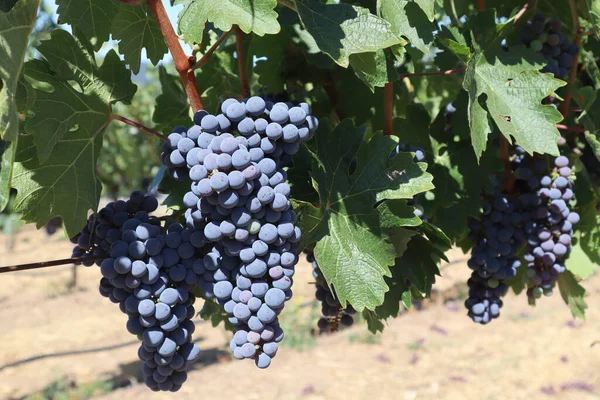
point(269, 67)
point(507, 87)
point(93, 17)
point(587, 98)
point(256, 16)
point(218, 77)
point(61, 180)
point(15, 27)
point(593, 11)
point(7, 5)
point(7, 158)
point(580, 264)
point(67, 109)
point(374, 69)
point(408, 19)
point(356, 242)
point(136, 29)
point(428, 8)
point(172, 107)
point(340, 30)
point(573, 294)
point(66, 185)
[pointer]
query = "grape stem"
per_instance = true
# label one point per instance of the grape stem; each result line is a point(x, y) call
point(210, 51)
point(183, 63)
point(241, 56)
point(329, 87)
point(564, 108)
point(389, 109)
point(570, 128)
point(509, 179)
point(139, 126)
point(523, 10)
point(44, 264)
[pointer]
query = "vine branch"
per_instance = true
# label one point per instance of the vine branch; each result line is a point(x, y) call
point(44, 264)
point(210, 51)
point(183, 63)
point(570, 128)
point(578, 32)
point(389, 109)
point(241, 55)
point(139, 126)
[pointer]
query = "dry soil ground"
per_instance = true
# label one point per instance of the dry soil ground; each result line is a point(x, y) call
point(48, 332)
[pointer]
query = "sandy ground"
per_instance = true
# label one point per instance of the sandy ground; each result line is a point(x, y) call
point(48, 331)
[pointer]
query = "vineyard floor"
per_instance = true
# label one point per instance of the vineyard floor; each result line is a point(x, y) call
point(49, 332)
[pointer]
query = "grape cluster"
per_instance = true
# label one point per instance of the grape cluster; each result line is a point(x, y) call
point(150, 275)
point(333, 313)
point(239, 199)
point(546, 38)
point(550, 231)
point(497, 238)
point(103, 228)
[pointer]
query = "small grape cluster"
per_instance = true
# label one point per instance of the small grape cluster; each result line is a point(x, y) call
point(333, 313)
point(240, 199)
point(497, 238)
point(546, 38)
point(550, 231)
point(150, 275)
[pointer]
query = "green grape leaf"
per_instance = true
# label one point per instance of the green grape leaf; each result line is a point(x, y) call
point(269, 67)
point(340, 30)
point(374, 69)
point(93, 17)
point(409, 20)
point(15, 27)
point(214, 313)
point(7, 158)
point(256, 16)
point(580, 264)
point(172, 107)
point(587, 98)
point(219, 77)
point(573, 294)
point(136, 29)
point(69, 107)
point(593, 11)
point(66, 185)
point(358, 235)
point(428, 7)
point(507, 88)
point(374, 323)
point(458, 177)
point(417, 268)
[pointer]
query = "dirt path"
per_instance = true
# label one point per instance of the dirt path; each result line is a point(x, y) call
point(47, 333)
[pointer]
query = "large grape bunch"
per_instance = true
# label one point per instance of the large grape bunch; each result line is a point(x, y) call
point(150, 275)
point(333, 312)
point(546, 38)
point(497, 236)
point(550, 231)
point(239, 195)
